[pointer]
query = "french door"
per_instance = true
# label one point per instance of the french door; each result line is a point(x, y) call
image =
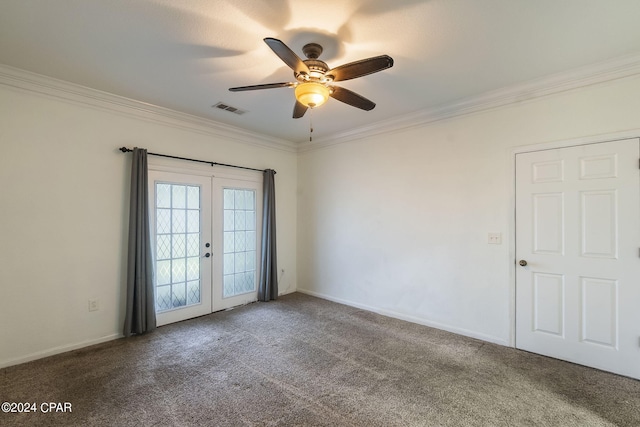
point(205, 233)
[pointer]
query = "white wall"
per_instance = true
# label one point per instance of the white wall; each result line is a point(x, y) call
point(398, 223)
point(64, 214)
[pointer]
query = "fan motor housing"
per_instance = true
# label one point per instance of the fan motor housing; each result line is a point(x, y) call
point(317, 69)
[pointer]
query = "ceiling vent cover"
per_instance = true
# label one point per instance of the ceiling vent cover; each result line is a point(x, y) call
point(223, 106)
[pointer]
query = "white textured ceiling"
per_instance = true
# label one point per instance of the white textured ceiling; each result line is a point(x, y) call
point(185, 54)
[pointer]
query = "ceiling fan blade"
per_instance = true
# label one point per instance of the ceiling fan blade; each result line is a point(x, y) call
point(299, 109)
point(351, 98)
point(265, 86)
point(287, 55)
point(360, 68)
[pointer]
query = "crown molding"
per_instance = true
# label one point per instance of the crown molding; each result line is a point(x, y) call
point(601, 72)
point(617, 68)
point(37, 83)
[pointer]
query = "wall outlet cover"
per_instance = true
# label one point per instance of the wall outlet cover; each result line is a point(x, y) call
point(495, 238)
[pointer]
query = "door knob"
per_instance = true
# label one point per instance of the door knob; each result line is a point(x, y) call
point(207, 255)
point(522, 262)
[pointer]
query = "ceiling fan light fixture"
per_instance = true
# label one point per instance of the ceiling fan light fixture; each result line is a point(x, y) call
point(312, 94)
point(314, 79)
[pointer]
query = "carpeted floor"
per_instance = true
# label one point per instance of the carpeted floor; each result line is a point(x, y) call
point(303, 361)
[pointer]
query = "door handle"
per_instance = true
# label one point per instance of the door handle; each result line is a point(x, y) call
point(207, 255)
point(522, 262)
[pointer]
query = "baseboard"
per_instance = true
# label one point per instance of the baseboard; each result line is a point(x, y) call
point(57, 350)
point(412, 319)
point(388, 313)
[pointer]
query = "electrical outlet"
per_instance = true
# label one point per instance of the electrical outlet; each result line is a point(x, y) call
point(495, 238)
point(94, 305)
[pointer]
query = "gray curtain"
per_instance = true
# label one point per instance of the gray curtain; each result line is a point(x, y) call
point(140, 316)
point(268, 287)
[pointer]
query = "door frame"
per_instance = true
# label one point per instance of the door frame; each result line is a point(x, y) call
point(511, 252)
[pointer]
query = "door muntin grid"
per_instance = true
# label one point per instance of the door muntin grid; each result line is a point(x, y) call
point(178, 238)
point(239, 242)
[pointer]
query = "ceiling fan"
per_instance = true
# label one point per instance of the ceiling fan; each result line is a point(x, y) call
point(314, 77)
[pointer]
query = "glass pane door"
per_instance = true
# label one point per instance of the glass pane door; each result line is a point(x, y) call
point(181, 234)
point(238, 205)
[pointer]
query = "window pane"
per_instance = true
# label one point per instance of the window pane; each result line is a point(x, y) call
point(193, 268)
point(229, 240)
point(163, 298)
point(240, 262)
point(250, 261)
point(239, 283)
point(250, 222)
point(163, 221)
point(163, 246)
point(229, 262)
point(179, 196)
point(193, 292)
point(228, 290)
point(240, 204)
point(250, 196)
point(193, 197)
point(250, 281)
point(240, 241)
point(178, 245)
point(250, 240)
point(179, 297)
point(163, 272)
point(229, 220)
point(178, 270)
point(229, 198)
point(163, 195)
point(193, 221)
point(178, 220)
point(193, 244)
point(240, 221)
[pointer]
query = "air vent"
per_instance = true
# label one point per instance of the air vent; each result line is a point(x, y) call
point(223, 106)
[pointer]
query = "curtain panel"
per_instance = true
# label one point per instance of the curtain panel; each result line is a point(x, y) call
point(140, 315)
point(268, 286)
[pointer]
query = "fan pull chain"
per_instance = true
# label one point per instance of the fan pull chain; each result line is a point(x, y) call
point(310, 124)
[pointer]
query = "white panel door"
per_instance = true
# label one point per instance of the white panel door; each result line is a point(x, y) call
point(577, 230)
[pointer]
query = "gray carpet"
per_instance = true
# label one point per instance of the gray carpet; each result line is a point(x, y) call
point(303, 361)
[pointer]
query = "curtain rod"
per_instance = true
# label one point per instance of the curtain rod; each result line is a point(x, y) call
point(128, 150)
